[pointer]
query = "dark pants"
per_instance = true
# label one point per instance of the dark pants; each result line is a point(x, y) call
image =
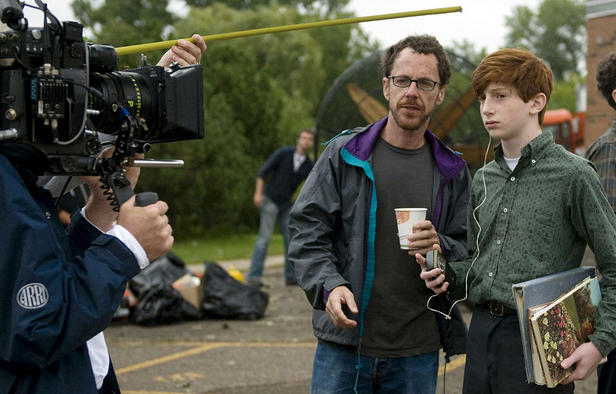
point(495, 359)
point(110, 384)
point(607, 375)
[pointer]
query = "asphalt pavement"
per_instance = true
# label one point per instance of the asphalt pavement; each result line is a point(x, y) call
point(272, 355)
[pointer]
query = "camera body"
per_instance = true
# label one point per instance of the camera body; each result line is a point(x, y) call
point(66, 99)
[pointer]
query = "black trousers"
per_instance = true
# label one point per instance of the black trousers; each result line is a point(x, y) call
point(110, 384)
point(607, 375)
point(495, 359)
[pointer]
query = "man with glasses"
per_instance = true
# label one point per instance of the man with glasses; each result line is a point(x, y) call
point(370, 317)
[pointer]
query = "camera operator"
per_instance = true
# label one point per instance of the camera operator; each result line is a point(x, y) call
point(60, 288)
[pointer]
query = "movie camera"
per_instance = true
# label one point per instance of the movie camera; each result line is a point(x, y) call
point(65, 98)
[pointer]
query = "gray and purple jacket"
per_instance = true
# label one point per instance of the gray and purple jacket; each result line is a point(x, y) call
point(333, 222)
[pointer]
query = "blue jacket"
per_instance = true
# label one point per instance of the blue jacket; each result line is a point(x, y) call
point(58, 289)
point(333, 222)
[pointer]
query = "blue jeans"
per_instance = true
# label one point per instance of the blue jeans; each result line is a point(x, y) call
point(270, 214)
point(334, 371)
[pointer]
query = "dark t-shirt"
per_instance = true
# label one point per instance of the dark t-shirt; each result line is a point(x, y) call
point(397, 323)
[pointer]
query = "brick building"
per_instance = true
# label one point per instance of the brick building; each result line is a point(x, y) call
point(601, 39)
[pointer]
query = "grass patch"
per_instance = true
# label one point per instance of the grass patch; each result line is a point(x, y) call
point(234, 247)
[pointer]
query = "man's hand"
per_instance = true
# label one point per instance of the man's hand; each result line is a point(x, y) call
point(341, 295)
point(258, 199)
point(585, 358)
point(258, 196)
point(423, 237)
point(435, 278)
point(184, 52)
point(98, 210)
point(149, 225)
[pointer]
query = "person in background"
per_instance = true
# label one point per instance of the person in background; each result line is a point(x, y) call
point(602, 152)
point(286, 168)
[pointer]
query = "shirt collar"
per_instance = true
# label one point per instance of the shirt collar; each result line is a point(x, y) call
point(531, 153)
point(613, 126)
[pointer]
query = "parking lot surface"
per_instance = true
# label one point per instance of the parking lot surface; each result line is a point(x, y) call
point(268, 356)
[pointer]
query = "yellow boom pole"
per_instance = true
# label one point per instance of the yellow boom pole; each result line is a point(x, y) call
point(127, 50)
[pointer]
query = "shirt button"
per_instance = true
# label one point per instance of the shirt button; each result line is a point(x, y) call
point(533, 161)
point(498, 241)
point(490, 274)
point(512, 179)
point(48, 215)
point(505, 210)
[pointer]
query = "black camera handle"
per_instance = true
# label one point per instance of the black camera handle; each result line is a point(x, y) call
point(120, 186)
point(117, 187)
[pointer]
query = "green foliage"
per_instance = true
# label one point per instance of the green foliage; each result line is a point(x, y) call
point(232, 247)
point(556, 33)
point(330, 5)
point(564, 93)
point(259, 92)
point(120, 23)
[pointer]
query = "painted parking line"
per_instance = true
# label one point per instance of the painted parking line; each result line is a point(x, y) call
point(207, 347)
point(150, 392)
point(454, 364)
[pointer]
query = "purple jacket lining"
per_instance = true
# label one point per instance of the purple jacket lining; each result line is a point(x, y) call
point(448, 163)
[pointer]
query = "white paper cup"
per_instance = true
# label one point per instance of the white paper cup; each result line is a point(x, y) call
point(406, 219)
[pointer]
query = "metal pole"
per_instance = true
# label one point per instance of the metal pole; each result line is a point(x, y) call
point(127, 50)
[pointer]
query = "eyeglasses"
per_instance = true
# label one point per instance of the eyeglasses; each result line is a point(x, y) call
point(421, 83)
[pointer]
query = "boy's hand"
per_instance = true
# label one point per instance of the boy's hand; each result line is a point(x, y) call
point(585, 358)
point(435, 278)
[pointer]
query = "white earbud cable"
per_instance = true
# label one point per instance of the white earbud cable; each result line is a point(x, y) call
point(485, 195)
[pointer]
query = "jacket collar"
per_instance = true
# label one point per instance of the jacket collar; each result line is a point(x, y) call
point(448, 163)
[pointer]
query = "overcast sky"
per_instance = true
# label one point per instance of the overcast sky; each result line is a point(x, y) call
point(482, 22)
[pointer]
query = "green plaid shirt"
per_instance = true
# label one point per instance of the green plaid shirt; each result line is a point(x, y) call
point(537, 221)
point(602, 153)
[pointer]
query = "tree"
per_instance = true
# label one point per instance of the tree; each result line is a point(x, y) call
point(328, 5)
point(259, 92)
point(120, 23)
point(556, 33)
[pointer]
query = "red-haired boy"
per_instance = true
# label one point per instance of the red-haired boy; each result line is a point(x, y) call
point(536, 206)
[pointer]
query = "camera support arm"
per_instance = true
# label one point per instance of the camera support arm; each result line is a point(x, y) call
point(117, 187)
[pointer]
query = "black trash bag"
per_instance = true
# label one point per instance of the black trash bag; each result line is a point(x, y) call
point(226, 298)
point(161, 272)
point(161, 304)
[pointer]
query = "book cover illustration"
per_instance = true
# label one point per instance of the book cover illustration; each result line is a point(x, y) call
point(561, 326)
point(536, 292)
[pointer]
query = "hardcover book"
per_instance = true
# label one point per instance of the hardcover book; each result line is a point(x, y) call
point(562, 325)
point(537, 292)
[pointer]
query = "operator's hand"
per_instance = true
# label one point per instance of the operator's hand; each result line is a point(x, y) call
point(423, 237)
point(341, 295)
point(98, 210)
point(435, 278)
point(585, 358)
point(258, 199)
point(184, 52)
point(149, 225)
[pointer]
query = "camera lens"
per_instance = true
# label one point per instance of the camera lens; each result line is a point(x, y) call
point(133, 91)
